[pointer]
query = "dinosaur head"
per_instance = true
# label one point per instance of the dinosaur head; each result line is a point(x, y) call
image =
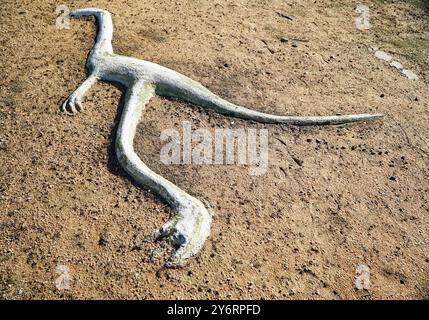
point(98, 13)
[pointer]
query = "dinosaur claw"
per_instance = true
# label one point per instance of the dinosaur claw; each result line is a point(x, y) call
point(64, 106)
point(160, 233)
point(78, 105)
point(71, 106)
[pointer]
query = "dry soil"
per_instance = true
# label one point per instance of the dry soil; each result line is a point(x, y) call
point(333, 198)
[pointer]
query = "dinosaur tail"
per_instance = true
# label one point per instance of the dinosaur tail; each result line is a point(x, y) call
point(193, 92)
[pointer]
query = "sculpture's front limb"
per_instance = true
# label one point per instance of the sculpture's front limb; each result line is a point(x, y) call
point(73, 102)
point(190, 224)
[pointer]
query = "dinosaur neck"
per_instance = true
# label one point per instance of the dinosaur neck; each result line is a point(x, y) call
point(103, 41)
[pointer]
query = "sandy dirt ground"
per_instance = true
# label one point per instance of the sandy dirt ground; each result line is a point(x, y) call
point(333, 198)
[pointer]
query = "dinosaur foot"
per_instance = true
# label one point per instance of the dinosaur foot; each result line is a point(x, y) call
point(186, 231)
point(72, 105)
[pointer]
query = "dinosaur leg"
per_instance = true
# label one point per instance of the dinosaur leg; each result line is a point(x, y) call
point(189, 226)
point(191, 91)
point(73, 102)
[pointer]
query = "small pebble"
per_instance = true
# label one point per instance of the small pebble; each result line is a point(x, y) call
point(397, 65)
point(410, 75)
point(383, 55)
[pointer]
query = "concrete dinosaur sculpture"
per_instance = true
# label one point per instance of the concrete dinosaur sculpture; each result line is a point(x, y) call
point(190, 224)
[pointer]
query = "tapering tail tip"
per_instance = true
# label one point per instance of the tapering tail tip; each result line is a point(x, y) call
point(378, 115)
point(370, 116)
point(374, 116)
point(326, 120)
point(357, 118)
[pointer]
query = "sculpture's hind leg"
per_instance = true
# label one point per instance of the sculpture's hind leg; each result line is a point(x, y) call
point(190, 225)
point(192, 91)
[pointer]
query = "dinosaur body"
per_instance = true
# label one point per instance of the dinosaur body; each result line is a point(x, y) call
point(191, 220)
